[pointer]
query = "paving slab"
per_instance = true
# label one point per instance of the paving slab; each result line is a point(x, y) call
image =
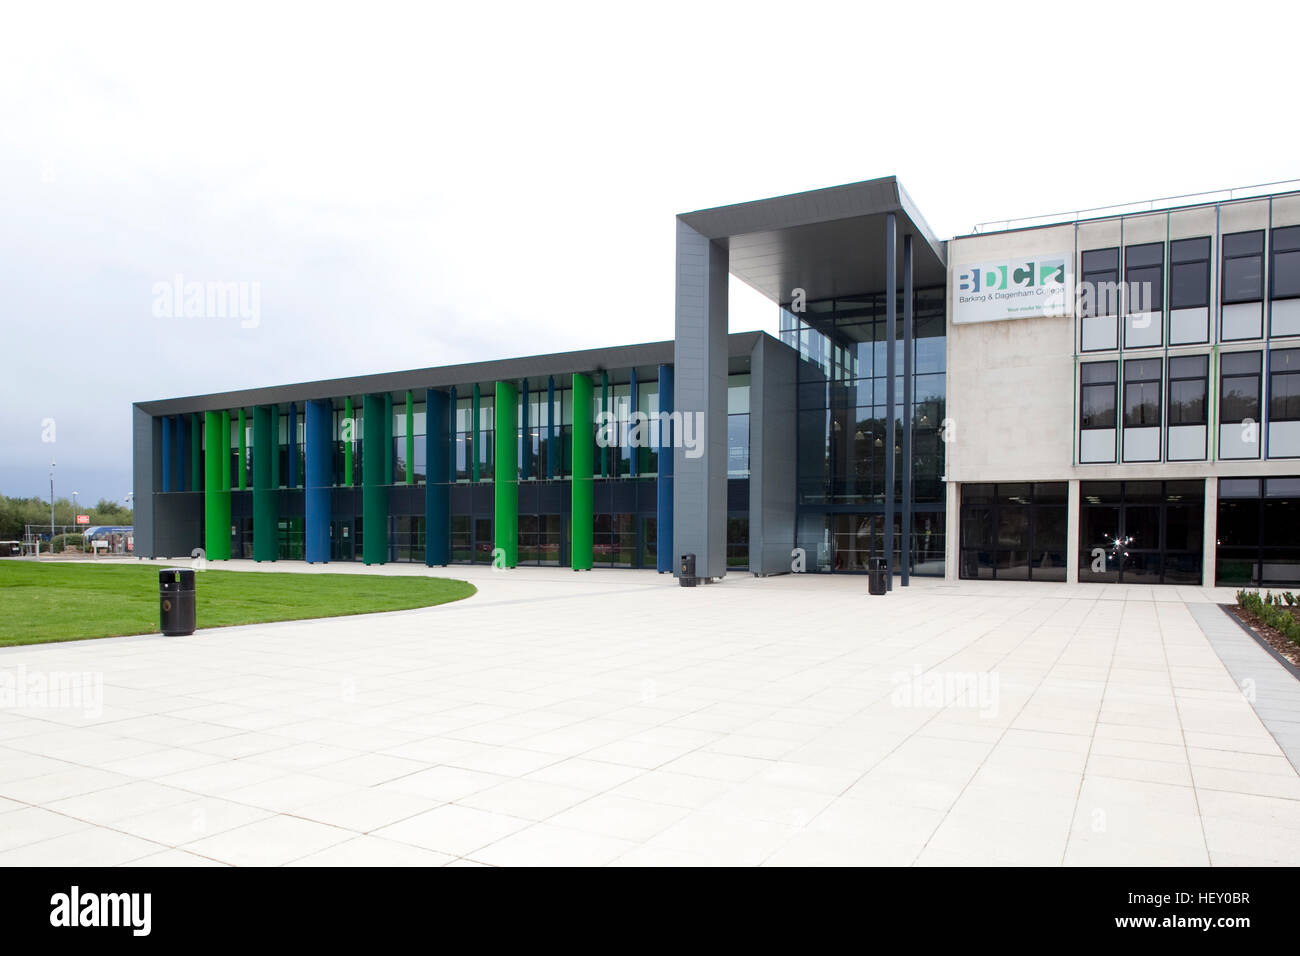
point(613, 718)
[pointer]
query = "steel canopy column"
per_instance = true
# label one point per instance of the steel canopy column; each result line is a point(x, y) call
point(437, 463)
point(907, 410)
point(664, 557)
point(891, 339)
point(505, 488)
point(316, 496)
point(374, 490)
point(582, 485)
point(265, 545)
point(700, 380)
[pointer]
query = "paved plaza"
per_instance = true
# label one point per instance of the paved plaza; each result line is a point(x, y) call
point(611, 717)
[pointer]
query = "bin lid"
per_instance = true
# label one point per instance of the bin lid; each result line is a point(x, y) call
point(183, 576)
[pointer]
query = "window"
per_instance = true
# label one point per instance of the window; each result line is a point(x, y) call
point(1284, 276)
point(1243, 267)
point(842, 419)
point(1284, 385)
point(1257, 532)
point(1188, 388)
point(738, 426)
point(1144, 276)
point(1100, 283)
point(1239, 387)
point(1142, 393)
point(1097, 395)
point(737, 542)
point(1189, 273)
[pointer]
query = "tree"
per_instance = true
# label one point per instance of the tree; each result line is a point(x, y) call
point(17, 513)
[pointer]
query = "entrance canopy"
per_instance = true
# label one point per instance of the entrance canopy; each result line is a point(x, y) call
point(841, 241)
point(828, 242)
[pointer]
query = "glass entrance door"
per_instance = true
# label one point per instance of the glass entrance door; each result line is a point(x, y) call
point(483, 542)
point(341, 541)
point(855, 539)
point(846, 542)
point(540, 539)
point(241, 538)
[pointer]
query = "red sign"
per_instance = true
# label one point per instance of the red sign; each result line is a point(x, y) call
point(83, 519)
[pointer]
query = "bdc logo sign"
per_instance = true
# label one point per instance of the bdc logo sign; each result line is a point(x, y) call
point(1019, 274)
point(1014, 288)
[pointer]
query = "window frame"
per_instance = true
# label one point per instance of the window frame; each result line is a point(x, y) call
point(1203, 377)
point(1225, 258)
point(1225, 377)
point(1274, 374)
point(1085, 386)
point(1085, 275)
point(1290, 246)
point(1158, 381)
point(1159, 297)
point(1177, 258)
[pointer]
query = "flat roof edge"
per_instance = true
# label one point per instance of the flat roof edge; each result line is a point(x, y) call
point(442, 376)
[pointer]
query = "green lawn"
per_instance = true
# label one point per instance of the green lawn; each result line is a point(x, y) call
point(44, 602)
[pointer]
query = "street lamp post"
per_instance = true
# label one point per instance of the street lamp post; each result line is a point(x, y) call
point(52, 507)
point(128, 497)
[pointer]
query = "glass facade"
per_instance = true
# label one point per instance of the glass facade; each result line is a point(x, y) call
point(842, 429)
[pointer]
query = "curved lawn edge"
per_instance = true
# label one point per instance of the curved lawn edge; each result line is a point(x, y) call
point(53, 603)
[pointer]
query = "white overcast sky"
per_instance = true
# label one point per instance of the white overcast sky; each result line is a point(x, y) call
point(433, 184)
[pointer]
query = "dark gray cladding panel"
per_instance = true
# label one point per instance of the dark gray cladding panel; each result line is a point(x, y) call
point(644, 356)
point(146, 475)
point(700, 391)
point(772, 456)
point(178, 524)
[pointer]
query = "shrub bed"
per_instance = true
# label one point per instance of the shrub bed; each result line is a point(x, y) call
point(1273, 618)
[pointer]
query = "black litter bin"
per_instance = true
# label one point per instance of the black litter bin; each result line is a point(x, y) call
point(877, 577)
point(176, 608)
point(688, 578)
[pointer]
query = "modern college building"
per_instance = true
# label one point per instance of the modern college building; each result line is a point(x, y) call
point(1111, 395)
